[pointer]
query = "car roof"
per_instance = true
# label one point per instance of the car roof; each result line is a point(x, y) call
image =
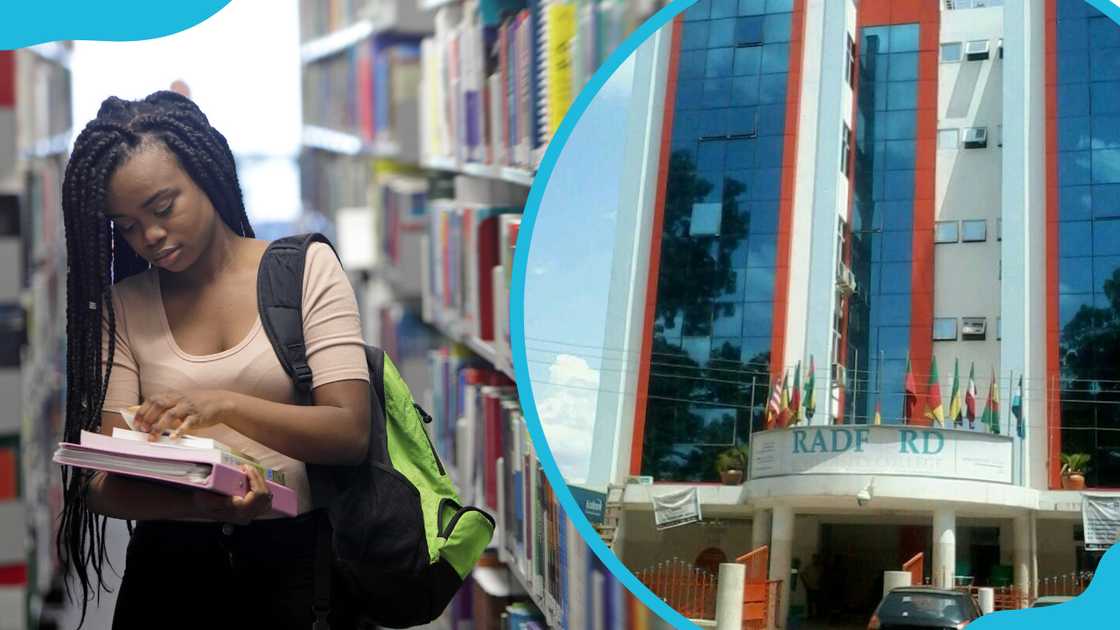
point(926, 589)
point(1054, 598)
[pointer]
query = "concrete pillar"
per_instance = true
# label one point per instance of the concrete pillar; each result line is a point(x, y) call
point(760, 529)
point(1021, 554)
point(944, 546)
point(896, 579)
point(781, 554)
point(986, 597)
point(729, 597)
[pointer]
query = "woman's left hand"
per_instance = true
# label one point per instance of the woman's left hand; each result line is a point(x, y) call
point(179, 412)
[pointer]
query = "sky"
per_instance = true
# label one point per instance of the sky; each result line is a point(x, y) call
point(568, 275)
point(249, 88)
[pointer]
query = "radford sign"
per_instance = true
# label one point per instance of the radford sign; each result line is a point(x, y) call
point(886, 450)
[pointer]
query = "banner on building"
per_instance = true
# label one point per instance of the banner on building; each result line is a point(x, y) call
point(676, 508)
point(1100, 514)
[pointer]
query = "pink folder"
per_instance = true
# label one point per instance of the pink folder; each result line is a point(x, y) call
point(178, 466)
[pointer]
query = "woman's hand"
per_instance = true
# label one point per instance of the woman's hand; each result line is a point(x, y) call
point(179, 412)
point(237, 510)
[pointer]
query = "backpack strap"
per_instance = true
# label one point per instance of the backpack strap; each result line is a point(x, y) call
point(280, 302)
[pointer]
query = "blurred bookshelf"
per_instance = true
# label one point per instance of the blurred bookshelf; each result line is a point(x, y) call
point(424, 124)
point(35, 133)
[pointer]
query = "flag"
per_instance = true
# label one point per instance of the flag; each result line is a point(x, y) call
point(878, 412)
point(810, 397)
point(955, 397)
point(795, 397)
point(911, 399)
point(970, 397)
point(1017, 410)
point(991, 408)
point(934, 411)
point(783, 414)
point(774, 407)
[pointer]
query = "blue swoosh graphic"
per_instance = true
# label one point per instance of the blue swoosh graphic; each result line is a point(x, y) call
point(1092, 608)
point(36, 21)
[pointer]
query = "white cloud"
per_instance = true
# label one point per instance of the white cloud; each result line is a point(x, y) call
point(566, 407)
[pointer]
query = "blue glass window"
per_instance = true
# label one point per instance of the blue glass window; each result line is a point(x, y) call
point(1106, 201)
point(758, 317)
point(903, 67)
point(760, 284)
point(1106, 131)
point(698, 349)
point(698, 11)
point(710, 156)
point(1104, 268)
point(894, 341)
point(721, 33)
point(1073, 34)
point(1074, 238)
point(764, 217)
point(749, 30)
point(1076, 203)
point(900, 125)
point(742, 121)
point(1073, 67)
point(770, 151)
point(772, 88)
point(1104, 64)
point(771, 120)
point(777, 27)
point(727, 319)
point(1073, 99)
point(1070, 305)
point(1106, 237)
point(719, 62)
point(902, 95)
point(1073, 133)
point(899, 154)
point(740, 155)
point(1076, 275)
point(752, 7)
point(767, 184)
point(895, 277)
point(1073, 168)
point(779, 6)
point(904, 38)
point(694, 35)
point(690, 94)
point(1106, 166)
point(1105, 97)
point(724, 8)
point(717, 92)
point(775, 58)
point(744, 90)
point(692, 64)
point(761, 252)
point(899, 185)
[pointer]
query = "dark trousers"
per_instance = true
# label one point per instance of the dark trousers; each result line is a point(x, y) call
point(208, 575)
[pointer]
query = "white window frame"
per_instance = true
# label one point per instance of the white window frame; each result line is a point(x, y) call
point(937, 232)
point(974, 222)
point(945, 321)
point(956, 139)
point(960, 52)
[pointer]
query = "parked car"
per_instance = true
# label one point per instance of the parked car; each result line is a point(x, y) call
point(915, 607)
point(1050, 600)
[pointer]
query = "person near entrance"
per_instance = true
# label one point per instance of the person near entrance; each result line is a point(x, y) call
point(811, 578)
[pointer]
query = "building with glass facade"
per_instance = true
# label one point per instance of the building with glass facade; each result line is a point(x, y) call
point(863, 186)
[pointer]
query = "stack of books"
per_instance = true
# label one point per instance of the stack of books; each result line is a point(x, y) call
point(196, 463)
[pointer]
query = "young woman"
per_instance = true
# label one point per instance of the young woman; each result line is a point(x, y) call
point(162, 312)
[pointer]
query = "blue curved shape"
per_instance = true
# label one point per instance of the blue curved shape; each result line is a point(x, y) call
point(517, 314)
point(37, 21)
point(1092, 608)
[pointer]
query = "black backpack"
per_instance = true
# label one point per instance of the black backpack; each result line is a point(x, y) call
point(399, 541)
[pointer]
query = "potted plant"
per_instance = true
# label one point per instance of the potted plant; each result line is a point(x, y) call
point(731, 465)
point(1073, 470)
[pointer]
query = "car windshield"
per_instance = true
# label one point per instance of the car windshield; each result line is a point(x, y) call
point(945, 607)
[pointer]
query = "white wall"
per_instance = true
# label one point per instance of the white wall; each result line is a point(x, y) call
point(1056, 547)
point(1023, 289)
point(968, 187)
point(813, 276)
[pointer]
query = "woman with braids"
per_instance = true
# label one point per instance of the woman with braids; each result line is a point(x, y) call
point(162, 312)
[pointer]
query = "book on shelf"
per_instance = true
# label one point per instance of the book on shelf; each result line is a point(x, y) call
point(213, 469)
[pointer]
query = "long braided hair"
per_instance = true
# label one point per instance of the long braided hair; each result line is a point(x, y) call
point(98, 256)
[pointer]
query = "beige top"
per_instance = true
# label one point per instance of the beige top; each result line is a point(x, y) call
point(148, 361)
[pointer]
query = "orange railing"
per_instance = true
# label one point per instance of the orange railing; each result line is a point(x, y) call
point(1066, 584)
point(689, 590)
point(761, 595)
point(916, 566)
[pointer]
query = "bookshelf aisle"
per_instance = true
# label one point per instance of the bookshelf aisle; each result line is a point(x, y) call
point(424, 123)
point(35, 121)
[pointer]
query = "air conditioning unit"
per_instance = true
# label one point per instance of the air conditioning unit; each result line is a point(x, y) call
point(973, 327)
point(975, 137)
point(839, 375)
point(845, 280)
point(976, 50)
